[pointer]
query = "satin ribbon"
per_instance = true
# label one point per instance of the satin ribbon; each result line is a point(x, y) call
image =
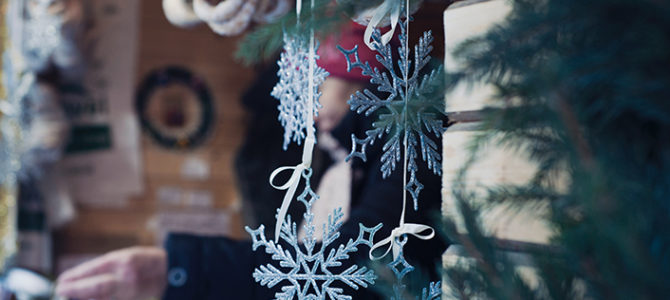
point(389, 7)
point(416, 230)
point(404, 229)
point(292, 184)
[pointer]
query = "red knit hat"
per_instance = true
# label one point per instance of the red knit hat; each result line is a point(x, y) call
point(334, 61)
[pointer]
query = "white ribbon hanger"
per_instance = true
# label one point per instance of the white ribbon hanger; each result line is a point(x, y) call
point(387, 13)
point(389, 7)
point(292, 184)
point(308, 149)
point(423, 232)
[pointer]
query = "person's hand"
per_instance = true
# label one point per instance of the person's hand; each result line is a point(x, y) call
point(130, 274)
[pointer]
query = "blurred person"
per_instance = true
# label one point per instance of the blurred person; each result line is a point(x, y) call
point(196, 267)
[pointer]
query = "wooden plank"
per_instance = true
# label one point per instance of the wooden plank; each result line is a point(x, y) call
point(463, 22)
point(210, 57)
point(467, 116)
point(495, 166)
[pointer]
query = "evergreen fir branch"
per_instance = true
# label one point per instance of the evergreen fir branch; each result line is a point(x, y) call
point(490, 275)
point(588, 104)
point(264, 42)
point(522, 195)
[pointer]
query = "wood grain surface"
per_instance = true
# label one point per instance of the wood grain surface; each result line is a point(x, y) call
point(210, 57)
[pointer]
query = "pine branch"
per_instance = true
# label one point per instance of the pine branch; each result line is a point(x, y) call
point(264, 42)
point(590, 103)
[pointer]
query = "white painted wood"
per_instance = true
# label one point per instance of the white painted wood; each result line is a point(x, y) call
point(460, 24)
point(456, 256)
point(496, 166)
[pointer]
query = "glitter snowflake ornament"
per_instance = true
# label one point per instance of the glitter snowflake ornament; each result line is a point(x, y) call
point(308, 268)
point(433, 292)
point(409, 113)
point(42, 35)
point(292, 90)
point(401, 268)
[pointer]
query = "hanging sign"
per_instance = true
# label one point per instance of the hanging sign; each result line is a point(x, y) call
point(102, 160)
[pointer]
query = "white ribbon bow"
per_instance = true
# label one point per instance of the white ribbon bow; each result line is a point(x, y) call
point(292, 184)
point(423, 232)
point(408, 228)
point(389, 7)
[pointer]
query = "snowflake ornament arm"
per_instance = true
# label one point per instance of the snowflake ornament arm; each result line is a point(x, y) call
point(433, 292)
point(298, 94)
point(305, 268)
point(292, 90)
point(409, 114)
point(401, 268)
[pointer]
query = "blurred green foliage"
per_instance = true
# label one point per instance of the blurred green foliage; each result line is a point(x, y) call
point(591, 89)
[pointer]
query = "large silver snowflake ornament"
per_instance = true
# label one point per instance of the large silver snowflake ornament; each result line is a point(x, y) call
point(410, 112)
point(307, 267)
point(293, 87)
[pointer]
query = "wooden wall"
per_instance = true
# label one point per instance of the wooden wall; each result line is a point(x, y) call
point(208, 56)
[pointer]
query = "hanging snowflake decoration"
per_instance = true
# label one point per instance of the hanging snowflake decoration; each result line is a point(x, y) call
point(42, 30)
point(400, 268)
point(13, 128)
point(292, 90)
point(308, 269)
point(410, 112)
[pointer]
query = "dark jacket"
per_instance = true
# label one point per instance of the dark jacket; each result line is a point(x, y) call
point(221, 268)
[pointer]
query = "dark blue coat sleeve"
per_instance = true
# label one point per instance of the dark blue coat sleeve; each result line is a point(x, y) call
point(212, 268)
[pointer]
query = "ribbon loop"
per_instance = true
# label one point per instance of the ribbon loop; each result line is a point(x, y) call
point(292, 184)
point(416, 230)
point(295, 176)
point(389, 7)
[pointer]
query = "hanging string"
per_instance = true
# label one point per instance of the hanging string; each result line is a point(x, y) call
point(423, 232)
point(405, 142)
point(298, 8)
point(312, 68)
point(298, 171)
